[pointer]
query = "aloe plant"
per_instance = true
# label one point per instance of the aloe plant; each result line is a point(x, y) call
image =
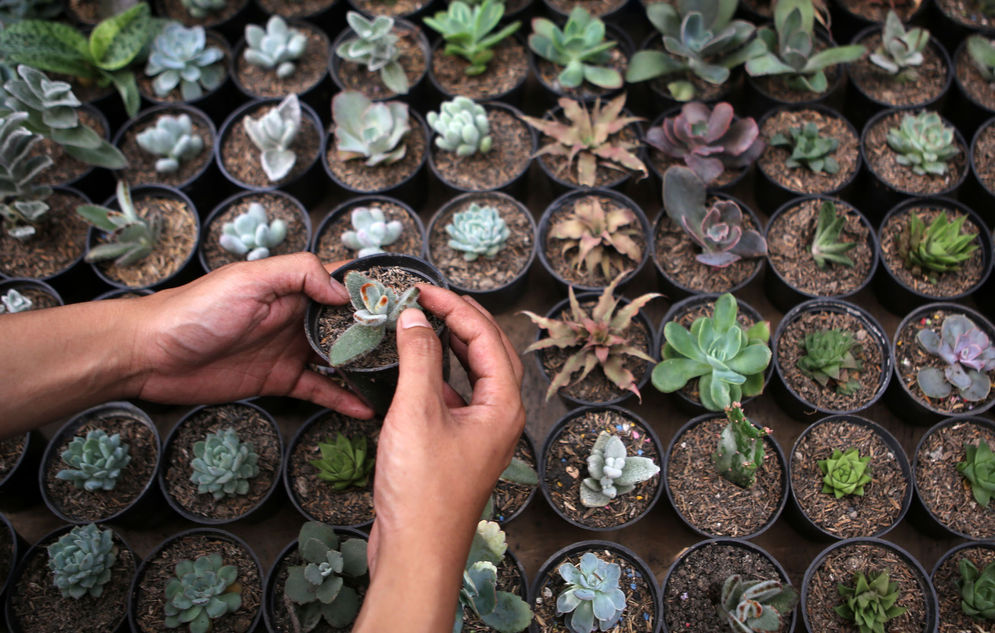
point(579, 47)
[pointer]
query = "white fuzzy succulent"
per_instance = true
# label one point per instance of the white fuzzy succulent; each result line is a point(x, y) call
point(276, 47)
point(173, 139)
point(612, 472)
point(251, 234)
point(273, 133)
point(13, 301)
point(371, 231)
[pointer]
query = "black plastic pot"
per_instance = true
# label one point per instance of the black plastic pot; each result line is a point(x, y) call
point(144, 508)
point(801, 521)
point(494, 298)
point(952, 588)
point(903, 298)
point(375, 385)
point(364, 201)
point(952, 29)
point(230, 27)
point(900, 399)
point(929, 595)
point(24, 283)
point(788, 398)
point(717, 582)
point(512, 96)
point(967, 110)
point(846, 22)
point(974, 192)
point(265, 507)
point(17, 548)
point(770, 442)
point(19, 487)
point(553, 437)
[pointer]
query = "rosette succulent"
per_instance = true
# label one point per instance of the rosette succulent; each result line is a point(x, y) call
point(375, 47)
point(978, 468)
point(869, 604)
point(612, 472)
point(462, 127)
point(740, 451)
point(579, 48)
point(968, 354)
point(751, 606)
point(467, 31)
point(201, 591)
point(809, 148)
point(477, 231)
point(172, 138)
point(181, 57)
point(594, 238)
point(273, 134)
point(252, 234)
point(277, 47)
point(95, 462)
point(223, 464)
point(592, 598)
point(344, 462)
point(941, 247)
point(924, 143)
point(370, 231)
point(364, 129)
point(829, 355)
point(845, 473)
point(977, 590)
point(901, 50)
point(81, 561)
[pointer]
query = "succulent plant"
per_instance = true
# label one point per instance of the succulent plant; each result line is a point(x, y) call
point(344, 462)
point(377, 308)
point(370, 231)
point(13, 301)
point(477, 231)
point(223, 465)
point(791, 51)
point(941, 247)
point(829, 355)
point(200, 9)
point(845, 473)
point(579, 47)
point(131, 237)
point(707, 139)
point(978, 468)
point(592, 598)
point(740, 451)
point(826, 245)
point(201, 591)
point(981, 50)
point(718, 229)
point(901, 50)
point(364, 129)
point(699, 37)
point(180, 57)
point(467, 31)
point(604, 239)
point(599, 337)
point(81, 561)
point(923, 143)
point(22, 202)
point(869, 603)
point(279, 46)
point(968, 354)
point(588, 138)
point(17, 10)
point(462, 127)
point(728, 359)
point(750, 606)
point(977, 590)
point(95, 462)
point(273, 134)
point(611, 472)
point(172, 138)
point(252, 234)
point(375, 47)
point(809, 148)
point(326, 586)
point(500, 610)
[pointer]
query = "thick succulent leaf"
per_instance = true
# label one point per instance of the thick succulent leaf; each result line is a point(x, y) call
point(933, 383)
point(672, 374)
point(354, 343)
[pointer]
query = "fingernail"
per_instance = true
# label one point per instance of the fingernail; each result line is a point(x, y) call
point(413, 318)
point(338, 289)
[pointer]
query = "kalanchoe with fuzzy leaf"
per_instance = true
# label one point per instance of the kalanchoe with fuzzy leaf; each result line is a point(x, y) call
point(81, 561)
point(201, 9)
point(370, 231)
point(978, 468)
point(467, 31)
point(845, 473)
point(13, 301)
point(941, 247)
point(477, 231)
point(718, 229)
point(977, 590)
point(131, 237)
point(95, 462)
point(740, 451)
point(364, 129)
point(579, 47)
point(500, 610)
point(462, 127)
point(252, 234)
point(273, 134)
point(592, 599)
point(981, 50)
point(809, 148)
point(968, 354)
point(223, 464)
point(707, 139)
point(829, 355)
point(181, 57)
point(924, 143)
point(344, 462)
point(751, 606)
point(604, 239)
point(869, 604)
point(172, 138)
point(901, 50)
point(201, 591)
point(375, 47)
point(277, 47)
point(611, 472)
point(22, 202)
point(826, 245)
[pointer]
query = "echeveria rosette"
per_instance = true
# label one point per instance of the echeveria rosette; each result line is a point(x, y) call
point(977, 590)
point(968, 354)
point(869, 603)
point(201, 591)
point(370, 130)
point(345, 462)
point(180, 57)
point(612, 472)
point(592, 598)
point(371, 231)
point(479, 231)
point(223, 464)
point(96, 461)
point(924, 143)
point(845, 473)
point(579, 47)
point(81, 561)
point(979, 469)
point(751, 606)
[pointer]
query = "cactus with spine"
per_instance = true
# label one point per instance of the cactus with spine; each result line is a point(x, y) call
point(371, 231)
point(22, 201)
point(201, 591)
point(968, 355)
point(870, 603)
point(81, 561)
point(364, 129)
point(829, 356)
point(251, 234)
point(580, 48)
point(978, 469)
point(462, 127)
point(592, 598)
point(173, 139)
point(131, 237)
point(612, 472)
point(500, 610)
point(94, 462)
point(900, 52)
point(808, 148)
point(479, 231)
point(201, 9)
point(740, 450)
point(13, 301)
point(826, 244)
point(752, 606)
point(375, 47)
point(923, 143)
point(181, 57)
point(345, 462)
point(276, 47)
point(941, 247)
point(273, 134)
point(977, 590)
point(223, 465)
point(845, 473)
point(467, 31)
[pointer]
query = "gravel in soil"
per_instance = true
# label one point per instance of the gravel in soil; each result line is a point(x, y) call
point(801, 179)
point(604, 176)
point(330, 248)
point(510, 497)
point(66, 169)
point(39, 297)
point(412, 57)
point(174, 10)
point(966, 12)
point(394, 8)
point(984, 158)
point(876, 12)
point(58, 242)
point(215, 40)
point(243, 160)
point(361, 178)
point(309, 69)
point(548, 74)
point(506, 70)
point(852, 515)
point(945, 582)
point(596, 8)
point(10, 452)
point(972, 82)
point(277, 207)
point(943, 489)
point(709, 501)
point(510, 155)
point(883, 161)
point(141, 164)
point(295, 9)
point(930, 80)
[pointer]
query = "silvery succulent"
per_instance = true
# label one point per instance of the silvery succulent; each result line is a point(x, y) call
point(252, 234)
point(274, 133)
point(478, 231)
point(173, 139)
point(279, 46)
point(370, 231)
point(180, 57)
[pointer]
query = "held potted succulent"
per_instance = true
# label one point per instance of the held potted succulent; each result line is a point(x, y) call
point(366, 225)
point(963, 579)
point(382, 57)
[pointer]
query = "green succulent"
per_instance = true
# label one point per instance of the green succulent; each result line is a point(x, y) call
point(95, 462)
point(81, 561)
point(375, 47)
point(22, 202)
point(467, 31)
point(131, 237)
point(223, 465)
point(592, 598)
point(172, 139)
point(977, 590)
point(845, 473)
point(477, 231)
point(201, 591)
point(740, 451)
point(809, 148)
point(279, 46)
point(500, 610)
point(579, 47)
point(273, 134)
point(344, 462)
point(869, 603)
point(611, 472)
point(462, 127)
point(941, 247)
point(200, 9)
point(364, 129)
point(180, 57)
point(982, 53)
point(978, 468)
point(751, 606)
point(901, 50)
point(377, 308)
point(829, 355)
point(826, 244)
point(924, 143)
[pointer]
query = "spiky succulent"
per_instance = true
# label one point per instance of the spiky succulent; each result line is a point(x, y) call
point(502, 611)
point(941, 247)
point(579, 47)
point(277, 47)
point(467, 31)
point(22, 201)
point(740, 450)
point(326, 586)
point(719, 229)
point(924, 143)
point(809, 148)
point(751, 606)
point(95, 462)
point(978, 468)
point(604, 239)
point(829, 355)
point(477, 231)
point(375, 47)
point(611, 472)
point(273, 134)
point(728, 360)
point(826, 245)
point(968, 355)
point(172, 138)
point(588, 138)
point(131, 237)
point(591, 599)
point(599, 337)
point(200, 9)
point(901, 50)
point(201, 591)
point(377, 308)
point(869, 603)
point(370, 231)
point(977, 590)
point(81, 561)
point(845, 473)
point(707, 139)
point(181, 57)
point(13, 301)
point(364, 129)
point(981, 50)
point(462, 127)
point(223, 464)
point(345, 462)
point(252, 234)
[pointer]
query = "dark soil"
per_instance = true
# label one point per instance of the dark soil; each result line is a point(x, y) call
point(141, 164)
point(310, 67)
point(243, 160)
point(877, 11)
point(329, 244)
point(506, 70)
point(966, 12)
point(509, 579)
point(295, 9)
point(879, 85)
point(357, 176)
point(883, 161)
point(510, 156)
point(712, 503)
point(979, 89)
point(39, 297)
point(852, 515)
point(65, 169)
point(393, 8)
point(778, 87)
point(510, 498)
point(86, 11)
point(984, 158)
point(801, 179)
point(174, 10)
point(413, 57)
point(548, 74)
point(215, 40)
point(11, 449)
point(277, 207)
point(59, 241)
point(596, 8)
point(604, 176)
point(945, 582)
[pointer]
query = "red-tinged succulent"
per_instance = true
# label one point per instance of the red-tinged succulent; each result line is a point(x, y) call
point(588, 138)
point(602, 238)
point(599, 338)
point(708, 140)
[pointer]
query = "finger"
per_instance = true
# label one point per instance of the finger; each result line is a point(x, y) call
point(516, 361)
point(299, 273)
point(314, 387)
point(452, 398)
point(420, 358)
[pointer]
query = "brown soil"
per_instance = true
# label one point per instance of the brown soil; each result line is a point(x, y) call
point(510, 498)
point(243, 160)
point(295, 9)
point(141, 164)
point(710, 502)
point(548, 74)
point(506, 70)
point(11, 449)
point(966, 12)
point(413, 58)
point(883, 161)
point(509, 157)
point(596, 8)
point(174, 10)
point(778, 87)
point(310, 67)
point(801, 179)
point(277, 207)
point(393, 8)
point(65, 169)
point(850, 516)
point(509, 579)
point(216, 40)
point(877, 11)
point(357, 176)
point(928, 85)
point(604, 176)
point(945, 582)
point(969, 78)
point(86, 11)
point(59, 241)
point(984, 158)
point(329, 244)
point(39, 297)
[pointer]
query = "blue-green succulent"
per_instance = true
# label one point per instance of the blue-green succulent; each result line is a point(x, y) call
point(201, 591)
point(95, 462)
point(81, 561)
point(223, 464)
point(478, 231)
point(180, 57)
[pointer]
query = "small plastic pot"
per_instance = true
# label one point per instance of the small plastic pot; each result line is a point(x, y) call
point(19, 487)
point(23, 284)
point(228, 24)
point(366, 201)
point(951, 27)
point(790, 401)
point(950, 608)
point(970, 111)
point(17, 548)
point(975, 193)
point(512, 96)
point(504, 519)
point(846, 21)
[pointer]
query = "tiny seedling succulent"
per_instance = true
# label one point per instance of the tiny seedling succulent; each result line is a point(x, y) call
point(981, 50)
point(901, 50)
point(252, 234)
point(924, 143)
point(869, 604)
point(707, 139)
point(751, 606)
point(740, 451)
point(370, 231)
point(344, 462)
point(479, 231)
point(325, 587)
point(826, 244)
point(81, 561)
point(364, 129)
point(377, 308)
point(968, 355)
point(829, 355)
point(728, 359)
point(599, 337)
point(611, 472)
point(592, 598)
point(604, 239)
point(276, 47)
point(978, 468)
point(500, 610)
point(579, 48)
point(22, 201)
point(375, 47)
point(809, 148)
point(845, 473)
point(273, 134)
point(173, 139)
point(201, 591)
point(13, 301)
point(201, 9)
point(95, 462)
point(223, 465)
point(467, 31)
point(132, 237)
point(718, 229)
point(462, 127)
point(181, 57)
point(941, 247)
point(977, 590)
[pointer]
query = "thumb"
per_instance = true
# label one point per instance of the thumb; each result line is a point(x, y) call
point(420, 356)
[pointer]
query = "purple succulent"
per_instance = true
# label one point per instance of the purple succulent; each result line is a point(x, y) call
point(968, 353)
point(708, 140)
